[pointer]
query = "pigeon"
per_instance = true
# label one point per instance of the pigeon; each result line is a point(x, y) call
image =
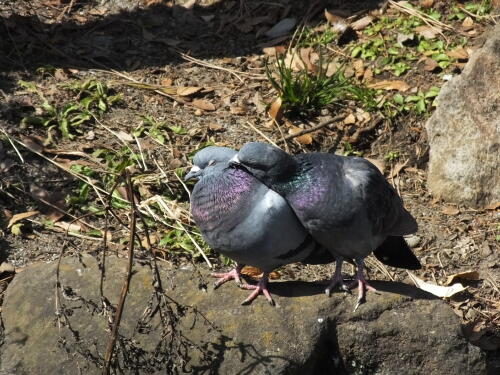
point(246, 221)
point(345, 203)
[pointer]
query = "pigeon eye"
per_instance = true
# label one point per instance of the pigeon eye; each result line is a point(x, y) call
point(211, 162)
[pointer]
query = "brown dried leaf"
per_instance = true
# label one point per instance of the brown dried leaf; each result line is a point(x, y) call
point(305, 139)
point(368, 75)
point(398, 168)
point(186, 91)
point(237, 110)
point(428, 32)
point(359, 68)
point(362, 23)
point(350, 119)
point(458, 53)
point(466, 275)
point(390, 85)
point(380, 164)
point(215, 127)
point(450, 210)
point(468, 24)
point(274, 51)
point(18, 217)
point(305, 55)
point(33, 143)
point(255, 273)
point(52, 198)
point(430, 64)
point(338, 23)
point(426, 4)
point(493, 206)
point(166, 82)
point(204, 105)
point(276, 111)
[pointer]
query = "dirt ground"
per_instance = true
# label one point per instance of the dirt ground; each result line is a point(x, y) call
point(216, 48)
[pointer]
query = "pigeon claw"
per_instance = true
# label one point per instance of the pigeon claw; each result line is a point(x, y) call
point(261, 287)
point(224, 277)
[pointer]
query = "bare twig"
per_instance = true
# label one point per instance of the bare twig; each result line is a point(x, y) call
point(126, 284)
point(261, 133)
point(313, 129)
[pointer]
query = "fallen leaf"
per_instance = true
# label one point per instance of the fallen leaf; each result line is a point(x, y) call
point(362, 23)
point(493, 206)
point(52, 199)
point(437, 290)
point(276, 111)
point(204, 105)
point(430, 64)
point(450, 210)
point(466, 275)
point(380, 164)
point(458, 53)
point(338, 23)
point(69, 227)
point(18, 217)
point(368, 75)
point(359, 68)
point(428, 32)
point(305, 139)
point(281, 28)
point(305, 55)
point(186, 91)
point(426, 4)
point(166, 82)
point(274, 51)
point(398, 168)
point(237, 110)
point(402, 38)
point(215, 127)
point(350, 119)
point(256, 273)
point(468, 24)
point(33, 143)
point(124, 136)
point(390, 85)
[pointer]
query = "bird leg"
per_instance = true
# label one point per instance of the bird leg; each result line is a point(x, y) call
point(361, 283)
point(261, 287)
point(235, 274)
point(337, 278)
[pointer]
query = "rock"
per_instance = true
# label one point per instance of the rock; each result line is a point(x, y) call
point(402, 330)
point(464, 131)
point(6, 267)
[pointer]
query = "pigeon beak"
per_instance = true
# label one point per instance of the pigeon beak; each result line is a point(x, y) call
point(193, 173)
point(234, 160)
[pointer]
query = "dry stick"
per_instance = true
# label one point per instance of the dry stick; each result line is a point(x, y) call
point(13, 145)
point(119, 310)
point(261, 133)
point(313, 129)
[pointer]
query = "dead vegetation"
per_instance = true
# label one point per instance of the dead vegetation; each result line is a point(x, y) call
point(90, 92)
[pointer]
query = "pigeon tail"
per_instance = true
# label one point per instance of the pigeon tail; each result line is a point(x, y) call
point(395, 252)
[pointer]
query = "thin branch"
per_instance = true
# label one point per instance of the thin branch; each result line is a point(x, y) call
point(313, 129)
point(126, 284)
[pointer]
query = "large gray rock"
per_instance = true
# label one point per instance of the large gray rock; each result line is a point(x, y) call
point(401, 331)
point(464, 131)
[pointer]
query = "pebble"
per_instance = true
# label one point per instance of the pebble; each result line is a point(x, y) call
point(412, 240)
point(485, 249)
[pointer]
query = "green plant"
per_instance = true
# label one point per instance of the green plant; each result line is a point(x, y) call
point(313, 38)
point(392, 156)
point(350, 151)
point(304, 92)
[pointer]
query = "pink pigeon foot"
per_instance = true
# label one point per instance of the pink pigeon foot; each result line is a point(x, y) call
point(224, 277)
point(361, 283)
point(337, 279)
point(261, 287)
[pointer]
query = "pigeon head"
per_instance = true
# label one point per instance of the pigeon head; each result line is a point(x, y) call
point(264, 161)
point(208, 157)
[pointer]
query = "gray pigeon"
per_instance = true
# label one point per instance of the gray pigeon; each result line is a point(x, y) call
point(344, 202)
point(243, 219)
